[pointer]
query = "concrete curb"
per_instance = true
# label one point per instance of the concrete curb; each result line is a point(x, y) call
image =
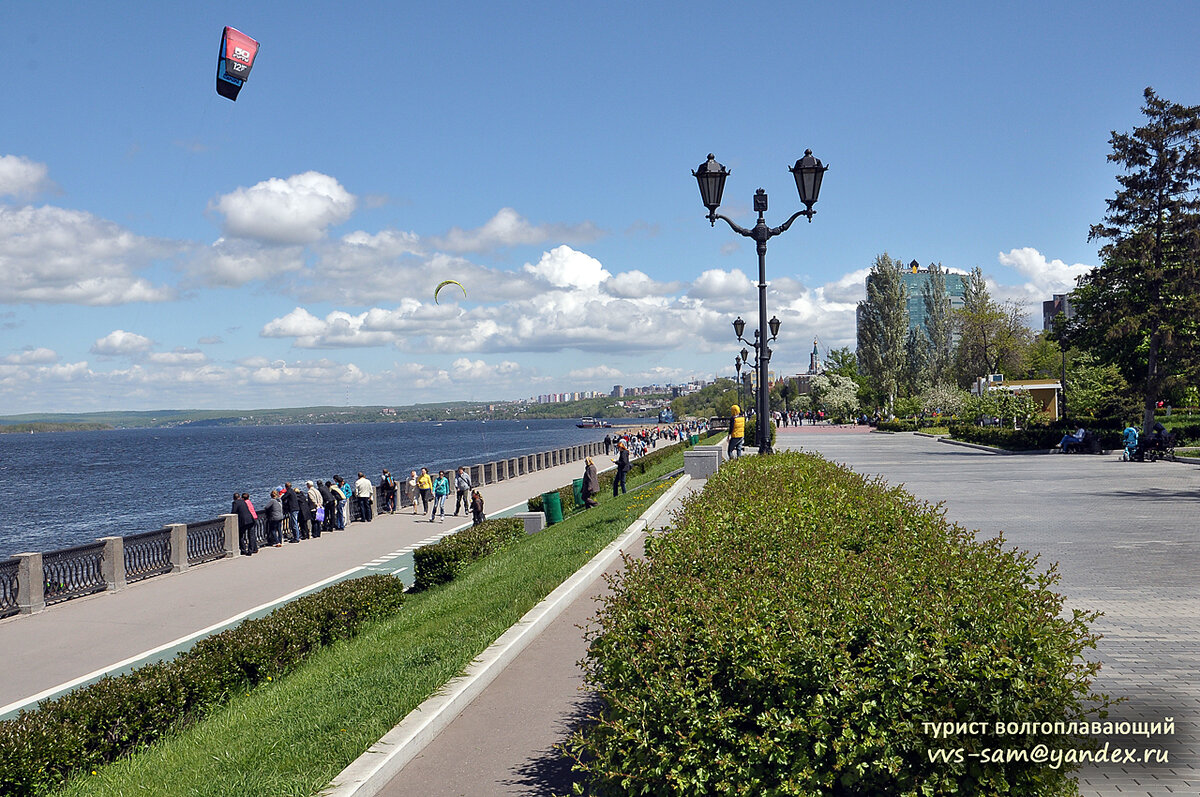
point(368, 774)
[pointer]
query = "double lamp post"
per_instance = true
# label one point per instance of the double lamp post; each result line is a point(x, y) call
point(808, 172)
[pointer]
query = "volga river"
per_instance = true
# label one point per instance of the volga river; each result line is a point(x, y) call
point(71, 488)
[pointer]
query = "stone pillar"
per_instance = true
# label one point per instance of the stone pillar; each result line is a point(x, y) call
point(534, 521)
point(112, 563)
point(231, 536)
point(179, 551)
point(31, 583)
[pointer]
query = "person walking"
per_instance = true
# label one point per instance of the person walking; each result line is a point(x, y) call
point(462, 490)
point(387, 493)
point(441, 489)
point(622, 461)
point(591, 484)
point(412, 489)
point(425, 485)
point(316, 509)
point(274, 514)
point(362, 496)
point(607, 444)
point(737, 431)
point(477, 516)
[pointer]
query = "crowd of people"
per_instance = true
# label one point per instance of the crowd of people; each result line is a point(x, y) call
point(293, 513)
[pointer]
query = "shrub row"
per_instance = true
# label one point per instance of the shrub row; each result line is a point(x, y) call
point(897, 425)
point(798, 626)
point(443, 560)
point(1030, 438)
point(638, 466)
point(96, 724)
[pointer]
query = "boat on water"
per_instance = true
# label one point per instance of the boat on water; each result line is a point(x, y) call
point(593, 423)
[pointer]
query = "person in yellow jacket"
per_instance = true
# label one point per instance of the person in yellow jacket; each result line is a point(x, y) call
point(737, 431)
point(425, 486)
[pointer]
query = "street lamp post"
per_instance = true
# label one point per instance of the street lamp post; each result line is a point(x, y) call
point(710, 176)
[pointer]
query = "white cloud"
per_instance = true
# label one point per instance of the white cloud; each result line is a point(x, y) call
point(508, 228)
point(297, 210)
point(235, 262)
point(1043, 277)
point(594, 372)
point(178, 357)
point(119, 342)
point(32, 356)
point(564, 267)
point(637, 285)
point(21, 177)
point(718, 284)
point(54, 255)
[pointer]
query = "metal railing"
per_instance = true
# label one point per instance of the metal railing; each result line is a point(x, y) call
point(205, 541)
point(8, 588)
point(73, 572)
point(147, 554)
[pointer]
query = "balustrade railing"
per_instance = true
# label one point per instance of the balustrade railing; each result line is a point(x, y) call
point(8, 588)
point(83, 570)
point(73, 572)
point(147, 554)
point(205, 541)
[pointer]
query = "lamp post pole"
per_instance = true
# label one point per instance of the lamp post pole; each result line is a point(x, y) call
point(710, 176)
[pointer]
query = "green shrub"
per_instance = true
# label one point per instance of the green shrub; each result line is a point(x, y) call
point(799, 625)
point(897, 425)
point(1031, 438)
point(98, 723)
point(443, 560)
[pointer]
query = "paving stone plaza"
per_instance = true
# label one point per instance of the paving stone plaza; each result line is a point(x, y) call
point(1125, 538)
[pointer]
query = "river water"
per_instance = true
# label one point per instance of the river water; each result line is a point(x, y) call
point(71, 488)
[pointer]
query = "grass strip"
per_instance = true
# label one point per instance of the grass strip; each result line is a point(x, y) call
point(291, 737)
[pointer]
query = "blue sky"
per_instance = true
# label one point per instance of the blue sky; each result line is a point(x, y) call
point(163, 247)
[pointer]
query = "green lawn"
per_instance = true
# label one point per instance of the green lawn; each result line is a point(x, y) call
point(292, 736)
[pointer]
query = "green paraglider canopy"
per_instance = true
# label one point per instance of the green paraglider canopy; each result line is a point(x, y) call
point(443, 284)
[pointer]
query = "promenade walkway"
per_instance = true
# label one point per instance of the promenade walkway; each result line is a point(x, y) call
point(1124, 535)
point(80, 640)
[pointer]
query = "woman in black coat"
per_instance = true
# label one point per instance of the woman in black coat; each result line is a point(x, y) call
point(591, 484)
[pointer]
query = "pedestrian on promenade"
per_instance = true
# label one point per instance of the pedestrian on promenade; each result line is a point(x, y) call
point(462, 490)
point(316, 509)
point(607, 444)
point(387, 493)
point(737, 431)
point(291, 507)
point(477, 516)
point(591, 483)
point(247, 539)
point(362, 494)
point(274, 515)
point(412, 489)
point(306, 514)
point(425, 485)
point(327, 504)
point(441, 489)
point(339, 489)
point(622, 461)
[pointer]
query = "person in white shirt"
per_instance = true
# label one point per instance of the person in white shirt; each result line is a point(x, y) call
point(362, 494)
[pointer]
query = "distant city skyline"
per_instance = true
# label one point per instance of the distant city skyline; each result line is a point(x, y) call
point(164, 247)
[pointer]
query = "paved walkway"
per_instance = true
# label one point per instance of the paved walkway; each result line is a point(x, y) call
point(78, 641)
point(1125, 538)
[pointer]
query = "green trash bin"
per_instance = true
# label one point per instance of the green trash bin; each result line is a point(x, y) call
point(552, 506)
point(578, 485)
point(694, 439)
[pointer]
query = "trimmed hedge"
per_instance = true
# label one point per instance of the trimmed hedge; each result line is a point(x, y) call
point(443, 560)
point(1031, 438)
point(897, 425)
point(98, 723)
point(799, 625)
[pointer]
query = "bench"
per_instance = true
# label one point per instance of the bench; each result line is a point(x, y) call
point(1089, 445)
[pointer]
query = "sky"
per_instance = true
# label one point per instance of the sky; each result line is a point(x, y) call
point(163, 247)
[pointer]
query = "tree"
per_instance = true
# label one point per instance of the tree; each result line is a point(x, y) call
point(939, 324)
point(883, 328)
point(915, 376)
point(842, 362)
point(836, 394)
point(993, 337)
point(1138, 310)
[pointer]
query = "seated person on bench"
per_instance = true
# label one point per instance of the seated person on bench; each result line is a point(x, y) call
point(1077, 437)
